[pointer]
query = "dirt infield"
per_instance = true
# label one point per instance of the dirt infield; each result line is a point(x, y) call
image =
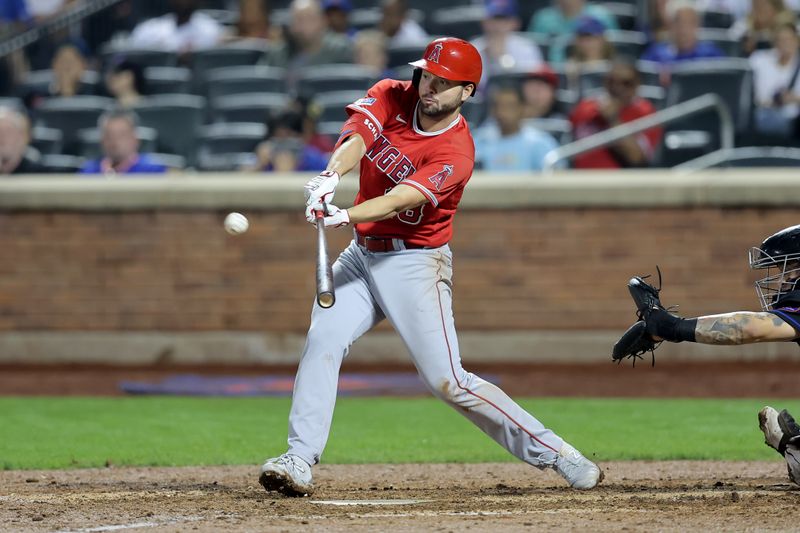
point(635, 496)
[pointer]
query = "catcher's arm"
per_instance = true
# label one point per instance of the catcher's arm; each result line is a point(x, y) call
point(743, 327)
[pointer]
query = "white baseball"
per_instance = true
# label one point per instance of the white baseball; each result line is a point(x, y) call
point(236, 223)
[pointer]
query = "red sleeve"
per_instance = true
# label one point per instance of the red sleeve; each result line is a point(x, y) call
point(441, 177)
point(649, 139)
point(368, 114)
point(584, 112)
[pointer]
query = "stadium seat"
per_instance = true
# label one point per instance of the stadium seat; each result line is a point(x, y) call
point(400, 56)
point(247, 107)
point(168, 80)
point(144, 57)
point(463, 22)
point(405, 72)
point(47, 140)
point(429, 5)
point(175, 162)
point(649, 72)
point(627, 44)
point(225, 162)
point(244, 79)
point(227, 138)
point(40, 81)
point(365, 18)
point(717, 19)
point(90, 141)
point(61, 164)
point(723, 39)
point(559, 128)
point(731, 79)
point(624, 12)
point(333, 78)
point(13, 103)
point(330, 129)
point(232, 55)
point(177, 118)
point(71, 115)
point(333, 104)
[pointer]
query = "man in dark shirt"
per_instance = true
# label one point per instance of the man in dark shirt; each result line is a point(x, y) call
point(14, 139)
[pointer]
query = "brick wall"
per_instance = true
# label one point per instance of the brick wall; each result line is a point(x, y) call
point(539, 269)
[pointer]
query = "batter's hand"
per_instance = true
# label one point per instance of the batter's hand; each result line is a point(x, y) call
point(334, 217)
point(322, 187)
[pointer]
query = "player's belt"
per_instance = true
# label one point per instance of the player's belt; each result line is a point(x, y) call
point(381, 244)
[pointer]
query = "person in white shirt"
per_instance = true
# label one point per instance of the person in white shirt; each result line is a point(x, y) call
point(398, 27)
point(776, 76)
point(183, 31)
point(501, 49)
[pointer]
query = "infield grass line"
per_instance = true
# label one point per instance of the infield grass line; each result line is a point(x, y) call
point(64, 432)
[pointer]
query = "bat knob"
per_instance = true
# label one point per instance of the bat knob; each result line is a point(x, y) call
point(326, 300)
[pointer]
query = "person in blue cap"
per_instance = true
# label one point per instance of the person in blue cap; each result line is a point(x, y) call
point(338, 14)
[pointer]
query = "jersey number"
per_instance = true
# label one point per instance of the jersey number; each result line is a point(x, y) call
point(409, 216)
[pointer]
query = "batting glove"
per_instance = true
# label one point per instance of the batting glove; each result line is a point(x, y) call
point(321, 188)
point(334, 217)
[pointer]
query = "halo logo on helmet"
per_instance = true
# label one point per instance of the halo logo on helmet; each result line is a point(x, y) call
point(452, 59)
point(436, 52)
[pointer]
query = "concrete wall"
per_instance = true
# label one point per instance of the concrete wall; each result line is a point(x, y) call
point(140, 270)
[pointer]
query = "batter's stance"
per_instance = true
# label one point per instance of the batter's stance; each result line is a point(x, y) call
point(416, 155)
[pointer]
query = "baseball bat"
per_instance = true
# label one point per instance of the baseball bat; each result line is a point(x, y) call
point(326, 296)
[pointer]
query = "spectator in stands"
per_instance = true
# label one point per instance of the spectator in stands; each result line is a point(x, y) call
point(777, 88)
point(399, 28)
point(563, 17)
point(14, 17)
point(120, 146)
point(310, 42)
point(125, 81)
point(587, 46)
point(504, 143)
point(68, 66)
point(756, 31)
point(656, 27)
point(369, 48)
point(284, 149)
point(337, 12)
point(500, 48)
point(618, 105)
point(255, 23)
point(15, 136)
point(684, 43)
point(539, 93)
point(311, 112)
point(13, 14)
point(740, 9)
point(183, 30)
point(42, 10)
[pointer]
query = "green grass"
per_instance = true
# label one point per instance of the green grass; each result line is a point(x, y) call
point(38, 432)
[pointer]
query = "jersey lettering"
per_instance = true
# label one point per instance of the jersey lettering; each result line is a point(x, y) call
point(377, 147)
point(402, 170)
point(388, 157)
point(371, 127)
point(438, 178)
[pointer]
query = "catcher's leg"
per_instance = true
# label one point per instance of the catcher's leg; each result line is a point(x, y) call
point(330, 336)
point(421, 311)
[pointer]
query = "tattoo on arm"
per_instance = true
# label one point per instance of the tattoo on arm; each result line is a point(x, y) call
point(735, 328)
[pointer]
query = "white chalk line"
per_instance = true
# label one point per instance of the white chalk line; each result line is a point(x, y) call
point(135, 525)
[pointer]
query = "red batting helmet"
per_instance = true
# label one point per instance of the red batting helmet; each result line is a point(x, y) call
point(452, 59)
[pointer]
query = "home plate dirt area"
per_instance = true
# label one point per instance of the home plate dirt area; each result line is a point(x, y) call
point(635, 496)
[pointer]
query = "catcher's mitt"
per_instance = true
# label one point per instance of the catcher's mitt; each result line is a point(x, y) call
point(637, 341)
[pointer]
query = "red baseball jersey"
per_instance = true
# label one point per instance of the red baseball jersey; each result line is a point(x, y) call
point(437, 163)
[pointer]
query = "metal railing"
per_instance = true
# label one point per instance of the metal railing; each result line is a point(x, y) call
point(69, 17)
point(665, 116)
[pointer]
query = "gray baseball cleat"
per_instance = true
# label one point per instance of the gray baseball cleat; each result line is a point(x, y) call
point(287, 474)
point(778, 428)
point(579, 471)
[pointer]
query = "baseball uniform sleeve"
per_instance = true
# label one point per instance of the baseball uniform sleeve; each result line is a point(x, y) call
point(368, 114)
point(441, 177)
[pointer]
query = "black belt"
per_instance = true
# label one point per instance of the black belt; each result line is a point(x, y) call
point(381, 244)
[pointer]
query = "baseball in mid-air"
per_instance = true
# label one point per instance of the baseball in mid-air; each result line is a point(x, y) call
point(236, 223)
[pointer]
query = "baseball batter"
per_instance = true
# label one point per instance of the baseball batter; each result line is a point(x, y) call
point(416, 155)
point(779, 321)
